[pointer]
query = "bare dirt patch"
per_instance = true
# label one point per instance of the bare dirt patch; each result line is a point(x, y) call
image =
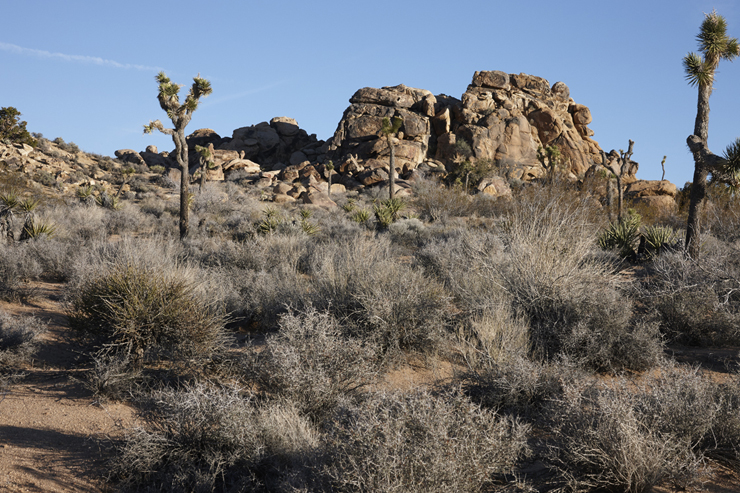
point(54, 436)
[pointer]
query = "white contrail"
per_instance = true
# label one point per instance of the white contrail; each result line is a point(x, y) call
point(75, 58)
point(249, 92)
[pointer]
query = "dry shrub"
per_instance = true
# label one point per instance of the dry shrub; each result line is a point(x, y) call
point(543, 260)
point(19, 338)
point(215, 439)
point(310, 364)
point(518, 386)
point(385, 300)
point(17, 267)
point(698, 300)
point(605, 443)
point(421, 442)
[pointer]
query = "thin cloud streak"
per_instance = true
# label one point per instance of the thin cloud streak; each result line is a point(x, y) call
point(19, 50)
point(243, 94)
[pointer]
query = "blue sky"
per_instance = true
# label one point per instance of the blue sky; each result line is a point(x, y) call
point(84, 70)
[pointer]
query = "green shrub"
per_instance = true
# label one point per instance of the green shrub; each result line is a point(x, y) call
point(622, 236)
point(139, 309)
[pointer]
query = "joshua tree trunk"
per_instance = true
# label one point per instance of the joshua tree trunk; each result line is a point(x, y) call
point(699, 183)
point(392, 168)
point(619, 169)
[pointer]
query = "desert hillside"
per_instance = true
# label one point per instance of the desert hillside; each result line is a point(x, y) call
point(447, 295)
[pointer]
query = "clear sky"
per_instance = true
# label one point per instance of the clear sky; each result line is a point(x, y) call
point(84, 70)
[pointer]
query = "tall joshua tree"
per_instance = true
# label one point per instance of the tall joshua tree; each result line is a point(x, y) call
point(714, 45)
point(180, 115)
point(389, 131)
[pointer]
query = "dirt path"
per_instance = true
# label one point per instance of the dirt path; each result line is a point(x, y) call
point(53, 436)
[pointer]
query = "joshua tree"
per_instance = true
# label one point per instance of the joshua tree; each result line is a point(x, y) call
point(389, 131)
point(619, 166)
point(714, 45)
point(550, 158)
point(180, 115)
point(206, 163)
point(329, 169)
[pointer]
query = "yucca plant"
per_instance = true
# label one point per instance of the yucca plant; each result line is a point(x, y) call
point(360, 216)
point(36, 229)
point(383, 216)
point(271, 222)
point(622, 235)
point(306, 213)
point(350, 206)
point(309, 228)
point(658, 239)
point(9, 200)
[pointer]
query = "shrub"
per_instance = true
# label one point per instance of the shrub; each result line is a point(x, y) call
point(570, 296)
point(112, 377)
point(421, 442)
point(135, 306)
point(605, 443)
point(19, 338)
point(697, 300)
point(309, 363)
point(518, 385)
point(17, 267)
point(210, 439)
point(390, 303)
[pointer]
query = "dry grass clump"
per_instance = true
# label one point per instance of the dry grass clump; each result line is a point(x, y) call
point(421, 442)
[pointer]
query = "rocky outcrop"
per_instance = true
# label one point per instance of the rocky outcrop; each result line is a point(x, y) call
point(503, 118)
point(656, 194)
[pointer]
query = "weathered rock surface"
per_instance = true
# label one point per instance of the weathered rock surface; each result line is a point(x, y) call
point(503, 118)
point(658, 194)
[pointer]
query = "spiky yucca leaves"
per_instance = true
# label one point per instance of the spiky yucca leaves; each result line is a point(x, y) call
point(658, 239)
point(621, 235)
point(35, 229)
point(180, 115)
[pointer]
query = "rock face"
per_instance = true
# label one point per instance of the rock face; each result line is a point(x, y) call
point(657, 194)
point(503, 118)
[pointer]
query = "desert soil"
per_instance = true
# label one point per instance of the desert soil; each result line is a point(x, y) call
point(56, 437)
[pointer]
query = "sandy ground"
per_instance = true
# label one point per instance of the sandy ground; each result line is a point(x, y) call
point(54, 436)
